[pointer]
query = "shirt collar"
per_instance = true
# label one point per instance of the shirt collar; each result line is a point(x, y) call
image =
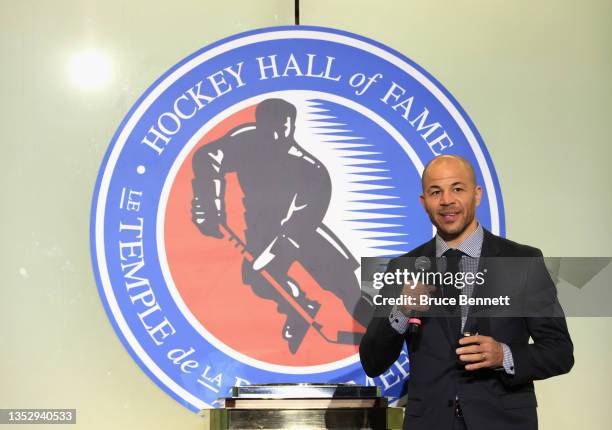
point(471, 246)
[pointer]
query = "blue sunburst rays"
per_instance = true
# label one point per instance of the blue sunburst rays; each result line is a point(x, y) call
point(377, 207)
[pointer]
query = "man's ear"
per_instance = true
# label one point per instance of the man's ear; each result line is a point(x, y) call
point(422, 200)
point(478, 191)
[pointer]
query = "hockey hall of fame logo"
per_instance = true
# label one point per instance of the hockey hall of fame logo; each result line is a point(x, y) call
point(239, 193)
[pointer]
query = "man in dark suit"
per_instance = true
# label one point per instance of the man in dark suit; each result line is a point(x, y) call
point(485, 381)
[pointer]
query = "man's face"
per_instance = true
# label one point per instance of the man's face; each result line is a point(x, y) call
point(450, 197)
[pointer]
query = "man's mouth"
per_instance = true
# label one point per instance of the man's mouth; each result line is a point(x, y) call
point(450, 216)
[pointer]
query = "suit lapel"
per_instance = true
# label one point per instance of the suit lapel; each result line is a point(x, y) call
point(429, 249)
point(490, 245)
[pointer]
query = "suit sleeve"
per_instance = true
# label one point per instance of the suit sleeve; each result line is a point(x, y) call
point(381, 345)
point(551, 353)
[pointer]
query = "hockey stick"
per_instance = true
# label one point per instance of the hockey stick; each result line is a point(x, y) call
point(329, 334)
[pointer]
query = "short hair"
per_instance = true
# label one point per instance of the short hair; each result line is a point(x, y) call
point(463, 161)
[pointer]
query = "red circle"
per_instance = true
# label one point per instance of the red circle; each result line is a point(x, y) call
point(207, 274)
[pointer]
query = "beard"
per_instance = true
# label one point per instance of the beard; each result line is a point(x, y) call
point(449, 231)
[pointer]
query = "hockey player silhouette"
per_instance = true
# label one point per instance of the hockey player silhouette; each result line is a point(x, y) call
point(287, 192)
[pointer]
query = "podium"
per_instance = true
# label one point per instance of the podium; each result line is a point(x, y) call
point(304, 406)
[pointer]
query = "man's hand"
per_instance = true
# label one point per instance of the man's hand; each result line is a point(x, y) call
point(480, 352)
point(416, 291)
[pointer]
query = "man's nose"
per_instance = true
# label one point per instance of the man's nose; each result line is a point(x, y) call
point(446, 198)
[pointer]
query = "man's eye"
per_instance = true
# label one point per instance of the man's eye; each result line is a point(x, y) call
point(435, 193)
point(457, 189)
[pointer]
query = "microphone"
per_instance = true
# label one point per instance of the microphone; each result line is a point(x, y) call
point(421, 264)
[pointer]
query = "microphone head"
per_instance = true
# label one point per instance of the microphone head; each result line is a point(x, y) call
point(422, 264)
